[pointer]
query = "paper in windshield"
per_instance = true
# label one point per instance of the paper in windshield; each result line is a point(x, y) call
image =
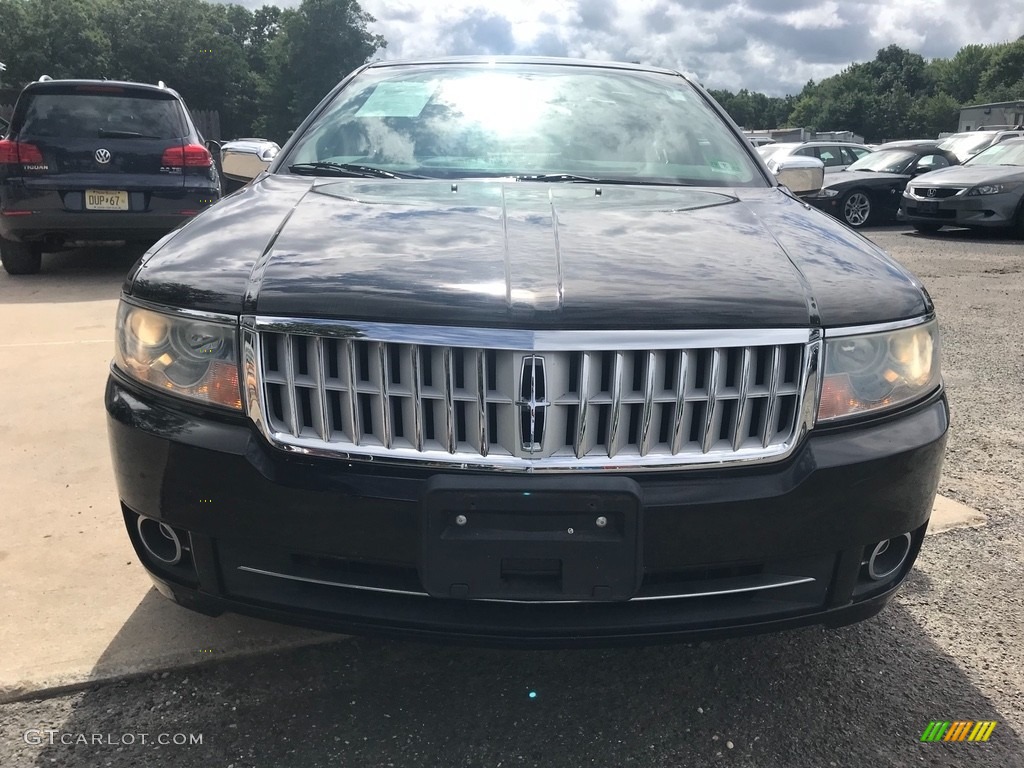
point(397, 100)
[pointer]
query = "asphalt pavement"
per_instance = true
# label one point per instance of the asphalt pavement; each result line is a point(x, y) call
point(950, 646)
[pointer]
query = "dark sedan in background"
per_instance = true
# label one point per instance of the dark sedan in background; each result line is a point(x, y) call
point(525, 351)
point(869, 191)
point(98, 160)
point(986, 191)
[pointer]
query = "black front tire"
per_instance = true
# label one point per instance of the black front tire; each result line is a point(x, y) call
point(21, 258)
point(927, 227)
point(855, 208)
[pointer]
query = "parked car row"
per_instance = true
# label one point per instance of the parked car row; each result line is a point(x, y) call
point(971, 179)
point(869, 191)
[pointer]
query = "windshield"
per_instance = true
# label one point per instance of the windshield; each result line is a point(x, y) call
point(885, 161)
point(1000, 154)
point(472, 120)
point(965, 145)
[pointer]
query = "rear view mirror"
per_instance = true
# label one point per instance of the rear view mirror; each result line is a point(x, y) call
point(245, 159)
point(802, 175)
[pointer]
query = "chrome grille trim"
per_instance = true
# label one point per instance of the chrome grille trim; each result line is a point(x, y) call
point(743, 586)
point(613, 400)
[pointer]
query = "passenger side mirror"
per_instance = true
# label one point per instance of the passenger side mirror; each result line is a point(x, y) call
point(245, 159)
point(802, 175)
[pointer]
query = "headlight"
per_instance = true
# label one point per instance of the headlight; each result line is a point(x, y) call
point(879, 371)
point(191, 357)
point(992, 189)
point(826, 192)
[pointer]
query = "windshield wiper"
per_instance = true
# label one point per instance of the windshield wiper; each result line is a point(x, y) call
point(105, 134)
point(327, 168)
point(572, 178)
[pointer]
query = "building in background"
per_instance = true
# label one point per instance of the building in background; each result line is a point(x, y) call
point(1001, 114)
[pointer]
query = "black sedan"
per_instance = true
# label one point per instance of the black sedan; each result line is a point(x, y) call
point(869, 191)
point(525, 351)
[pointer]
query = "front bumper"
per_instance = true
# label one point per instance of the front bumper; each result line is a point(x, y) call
point(962, 211)
point(340, 545)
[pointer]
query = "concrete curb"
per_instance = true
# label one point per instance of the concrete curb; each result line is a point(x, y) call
point(950, 515)
point(51, 689)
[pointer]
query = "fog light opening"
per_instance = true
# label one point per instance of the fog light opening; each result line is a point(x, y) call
point(888, 557)
point(160, 540)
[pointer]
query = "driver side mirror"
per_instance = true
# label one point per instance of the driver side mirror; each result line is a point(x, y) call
point(802, 175)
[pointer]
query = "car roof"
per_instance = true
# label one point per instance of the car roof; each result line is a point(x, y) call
point(544, 60)
point(993, 132)
point(923, 146)
point(43, 85)
point(818, 143)
point(909, 143)
point(829, 142)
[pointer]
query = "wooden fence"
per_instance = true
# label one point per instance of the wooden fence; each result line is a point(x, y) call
point(208, 123)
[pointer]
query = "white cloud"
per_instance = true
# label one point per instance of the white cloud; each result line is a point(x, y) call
point(769, 45)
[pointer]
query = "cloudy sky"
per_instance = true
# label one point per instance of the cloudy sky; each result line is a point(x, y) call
point(773, 46)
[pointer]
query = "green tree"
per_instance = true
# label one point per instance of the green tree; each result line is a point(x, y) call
point(317, 45)
point(960, 75)
point(60, 38)
point(932, 115)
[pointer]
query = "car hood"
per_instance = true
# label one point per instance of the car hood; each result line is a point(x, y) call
point(969, 175)
point(848, 178)
point(529, 255)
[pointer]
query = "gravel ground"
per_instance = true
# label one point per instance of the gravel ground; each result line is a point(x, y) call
point(949, 647)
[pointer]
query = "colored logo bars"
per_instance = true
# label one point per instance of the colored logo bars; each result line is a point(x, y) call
point(958, 730)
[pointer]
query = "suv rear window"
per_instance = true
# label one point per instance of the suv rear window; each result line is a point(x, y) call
point(102, 115)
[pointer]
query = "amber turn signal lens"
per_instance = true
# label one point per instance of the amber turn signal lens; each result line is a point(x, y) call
point(221, 385)
point(837, 397)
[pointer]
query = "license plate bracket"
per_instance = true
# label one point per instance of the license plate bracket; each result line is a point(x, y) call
point(106, 200)
point(546, 539)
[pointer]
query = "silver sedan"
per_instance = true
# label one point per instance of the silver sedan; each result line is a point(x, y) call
point(986, 191)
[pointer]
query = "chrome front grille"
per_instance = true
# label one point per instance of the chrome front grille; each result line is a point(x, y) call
point(529, 400)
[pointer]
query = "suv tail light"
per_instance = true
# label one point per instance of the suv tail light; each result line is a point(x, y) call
point(189, 156)
point(19, 153)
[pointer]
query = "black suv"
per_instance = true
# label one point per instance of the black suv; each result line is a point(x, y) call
point(90, 160)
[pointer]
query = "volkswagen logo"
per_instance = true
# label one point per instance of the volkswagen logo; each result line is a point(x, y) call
point(102, 156)
point(932, 192)
point(532, 402)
